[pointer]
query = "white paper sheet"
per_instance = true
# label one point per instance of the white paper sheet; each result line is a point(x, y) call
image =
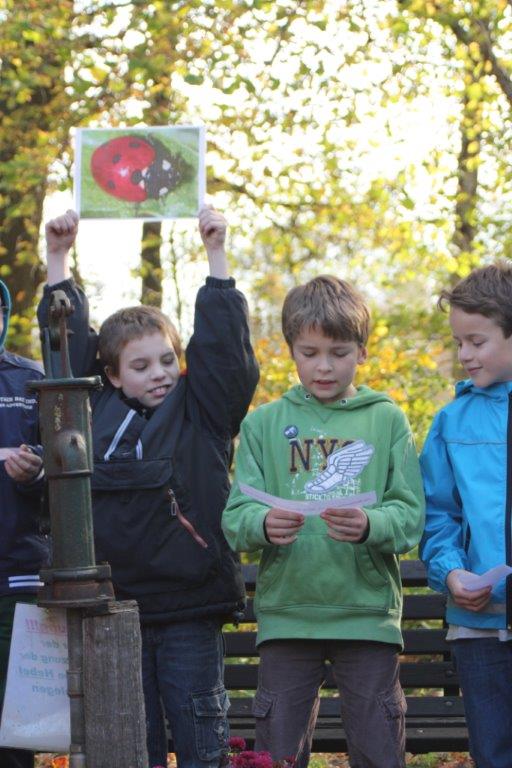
point(308, 507)
point(36, 706)
point(474, 581)
point(5, 452)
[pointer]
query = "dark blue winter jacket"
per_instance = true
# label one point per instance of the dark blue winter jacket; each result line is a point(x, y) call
point(23, 550)
point(160, 484)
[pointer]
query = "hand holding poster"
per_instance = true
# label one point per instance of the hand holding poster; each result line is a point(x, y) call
point(140, 173)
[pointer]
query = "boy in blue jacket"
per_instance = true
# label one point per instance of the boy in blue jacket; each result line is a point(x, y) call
point(23, 549)
point(467, 470)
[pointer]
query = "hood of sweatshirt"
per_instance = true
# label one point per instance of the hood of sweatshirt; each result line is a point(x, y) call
point(5, 303)
point(364, 396)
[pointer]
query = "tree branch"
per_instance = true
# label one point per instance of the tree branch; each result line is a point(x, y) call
point(501, 75)
point(484, 41)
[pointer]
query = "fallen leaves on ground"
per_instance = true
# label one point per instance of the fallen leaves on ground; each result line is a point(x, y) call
point(339, 760)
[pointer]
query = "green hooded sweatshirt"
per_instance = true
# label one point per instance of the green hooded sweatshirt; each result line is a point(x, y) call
point(299, 448)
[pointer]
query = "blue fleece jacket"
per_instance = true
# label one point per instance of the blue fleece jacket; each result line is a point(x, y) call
point(467, 474)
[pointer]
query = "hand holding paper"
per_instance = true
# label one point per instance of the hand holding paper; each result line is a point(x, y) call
point(474, 581)
point(471, 600)
point(282, 526)
point(349, 524)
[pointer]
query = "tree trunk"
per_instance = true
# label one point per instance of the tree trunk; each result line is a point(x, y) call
point(22, 269)
point(467, 191)
point(151, 264)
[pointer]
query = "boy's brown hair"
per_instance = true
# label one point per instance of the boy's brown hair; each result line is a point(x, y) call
point(486, 291)
point(329, 304)
point(132, 323)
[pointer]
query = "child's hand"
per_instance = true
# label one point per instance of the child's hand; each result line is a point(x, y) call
point(471, 600)
point(281, 526)
point(22, 465)
point(61, 233)
point(60, 236)
point(212, 228)
point(348, 524)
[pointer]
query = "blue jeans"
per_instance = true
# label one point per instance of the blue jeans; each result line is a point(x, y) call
point(485, 673)
point(183, 670)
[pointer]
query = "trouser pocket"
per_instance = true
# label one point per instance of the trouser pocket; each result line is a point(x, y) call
point(209, 713)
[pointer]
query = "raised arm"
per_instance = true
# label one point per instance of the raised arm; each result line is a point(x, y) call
point(221, 367)
point(212, 228)
point(60, 235)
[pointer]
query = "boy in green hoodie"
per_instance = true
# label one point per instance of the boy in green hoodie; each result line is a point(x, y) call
point(328, 586)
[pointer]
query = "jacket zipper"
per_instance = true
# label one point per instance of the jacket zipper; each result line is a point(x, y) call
point(508, 515)
point(176, 512)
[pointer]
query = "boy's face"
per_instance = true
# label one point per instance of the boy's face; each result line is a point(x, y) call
point(327, 366)
point(483, 350)
point(148, 369)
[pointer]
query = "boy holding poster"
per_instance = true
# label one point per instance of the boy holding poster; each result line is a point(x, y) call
point(23, 549)
point(162, 444)
point(328, 585)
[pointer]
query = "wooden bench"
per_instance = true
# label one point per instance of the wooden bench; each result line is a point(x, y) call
point(435, 716)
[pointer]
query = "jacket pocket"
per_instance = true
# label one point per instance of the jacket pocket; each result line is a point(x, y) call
point(117, 475)
point(371, 565)
point(270, 567)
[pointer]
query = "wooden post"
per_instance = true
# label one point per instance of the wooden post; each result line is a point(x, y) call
point(115, 726)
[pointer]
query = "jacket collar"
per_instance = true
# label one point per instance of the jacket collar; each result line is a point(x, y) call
point(495, 391)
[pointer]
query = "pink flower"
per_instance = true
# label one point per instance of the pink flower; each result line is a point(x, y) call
point(241, 758)
point(249, 759)
point(237, 744)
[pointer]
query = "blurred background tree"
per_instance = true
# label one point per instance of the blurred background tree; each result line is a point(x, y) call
point(370, 138)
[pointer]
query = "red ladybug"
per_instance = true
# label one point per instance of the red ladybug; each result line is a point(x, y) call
point(136, 168)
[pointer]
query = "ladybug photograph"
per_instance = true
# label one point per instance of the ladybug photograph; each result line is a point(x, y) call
point(153, 173)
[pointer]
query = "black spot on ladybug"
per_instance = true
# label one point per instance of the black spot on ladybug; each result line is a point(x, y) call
point(116, 158)
point(135, 144)
point(136, 177)
point(110, 184)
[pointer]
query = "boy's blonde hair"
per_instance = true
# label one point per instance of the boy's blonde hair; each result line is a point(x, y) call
point(329, 304)
point(486, 291)
point(132, 323)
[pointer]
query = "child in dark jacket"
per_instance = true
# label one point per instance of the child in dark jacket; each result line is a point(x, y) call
point(162, 445)
point(23, 549)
